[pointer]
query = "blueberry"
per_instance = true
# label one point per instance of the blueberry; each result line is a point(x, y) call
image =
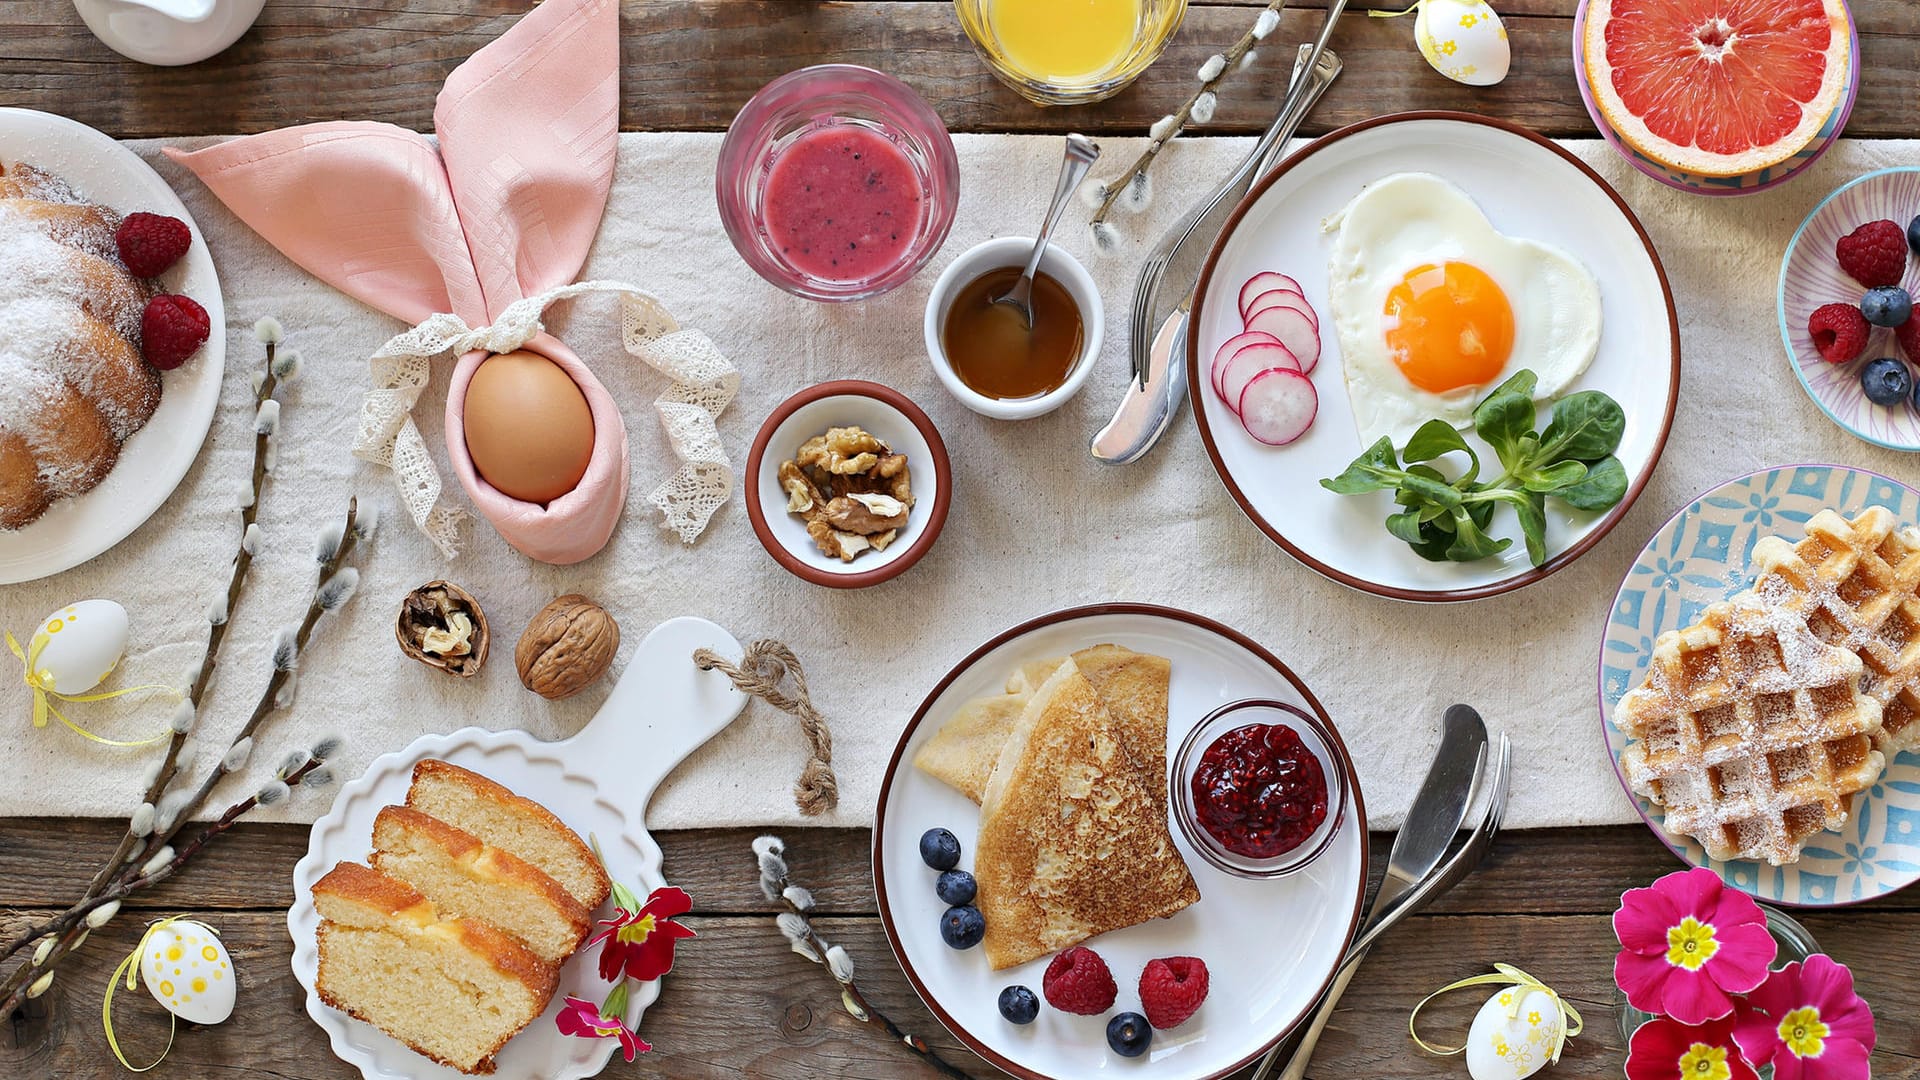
point(939, 849)
point(1913, 235)
point(963, 927)
point(955, 887)
point(1886, 381)
point(1887, 305)
point(1018, 1005)
point(1129, 1034)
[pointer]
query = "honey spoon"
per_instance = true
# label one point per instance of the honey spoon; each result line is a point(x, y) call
point(1081, 154)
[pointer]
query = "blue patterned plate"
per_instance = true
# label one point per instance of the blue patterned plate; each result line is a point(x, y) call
point(1699, 557)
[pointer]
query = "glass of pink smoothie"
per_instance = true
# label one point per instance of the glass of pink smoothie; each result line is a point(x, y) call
point(837, 182)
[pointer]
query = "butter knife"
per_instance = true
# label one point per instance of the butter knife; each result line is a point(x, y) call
point(1163, 294)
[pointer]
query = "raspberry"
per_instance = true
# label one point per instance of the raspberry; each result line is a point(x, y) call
point(1839, 332)
point(1172, 989)
point(149, 243)
point(1874, 253)
point(1908, 335)
point(172, 329)
point(1077, 981)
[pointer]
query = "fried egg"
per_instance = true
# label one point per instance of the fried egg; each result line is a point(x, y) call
point(1433, 306)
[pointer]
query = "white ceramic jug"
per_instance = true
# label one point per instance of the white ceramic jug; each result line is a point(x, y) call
point(168, 32)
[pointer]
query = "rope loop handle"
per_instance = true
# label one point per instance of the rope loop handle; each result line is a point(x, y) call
point(760, 673)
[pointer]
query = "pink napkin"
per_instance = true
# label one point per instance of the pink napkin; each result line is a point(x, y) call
point(506, 208)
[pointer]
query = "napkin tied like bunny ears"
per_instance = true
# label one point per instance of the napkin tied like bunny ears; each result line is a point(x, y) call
point(504, 208)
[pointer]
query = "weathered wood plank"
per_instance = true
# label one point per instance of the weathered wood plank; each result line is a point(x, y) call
point(740, 1005)
point(691, 64)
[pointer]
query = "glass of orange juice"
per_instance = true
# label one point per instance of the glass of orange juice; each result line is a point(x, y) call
point(1069, 52)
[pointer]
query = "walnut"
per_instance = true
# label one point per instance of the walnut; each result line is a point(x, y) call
point(852, 490)
point(441, 625)
point(569, 644)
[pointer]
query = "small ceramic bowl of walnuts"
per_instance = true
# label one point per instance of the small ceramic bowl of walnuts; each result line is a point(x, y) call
point(847, 484)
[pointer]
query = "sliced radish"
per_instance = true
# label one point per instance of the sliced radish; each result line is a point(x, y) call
point(1264, 282)
point(1233, 345)
point(1278, 406)
point(1247, 364)
point(1295, 331)
point(1282, 298)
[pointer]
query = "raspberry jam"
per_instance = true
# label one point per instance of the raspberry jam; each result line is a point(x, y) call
point(1259, 791)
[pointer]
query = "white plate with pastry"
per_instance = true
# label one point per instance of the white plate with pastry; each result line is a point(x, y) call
point(1269, 945)
point(66, 530)
point(1410, 264)
point(596, 784)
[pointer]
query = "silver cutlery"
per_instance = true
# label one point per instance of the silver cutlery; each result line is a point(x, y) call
point(1081, 154)
point(1163, 293)
point(1451, 873)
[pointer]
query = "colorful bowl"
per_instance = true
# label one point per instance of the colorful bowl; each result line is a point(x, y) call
point(1810, 277)
point(1758, 180)
point(1699, 557)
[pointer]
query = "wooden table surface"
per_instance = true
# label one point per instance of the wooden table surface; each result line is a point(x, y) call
point(738, 1003)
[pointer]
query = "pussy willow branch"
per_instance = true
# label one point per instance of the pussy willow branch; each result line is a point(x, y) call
point(242, 561)
point(1118, 188)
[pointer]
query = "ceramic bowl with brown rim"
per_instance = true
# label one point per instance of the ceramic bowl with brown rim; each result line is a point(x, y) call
point(1529, 189)
point(882, 412)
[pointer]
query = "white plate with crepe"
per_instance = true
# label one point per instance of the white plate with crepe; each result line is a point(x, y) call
point(153, 461)
point(1270, 945)
point(1529, 189)
point(597, 782)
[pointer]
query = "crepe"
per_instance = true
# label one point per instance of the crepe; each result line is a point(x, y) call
point(962, 753)
point(1073, 823)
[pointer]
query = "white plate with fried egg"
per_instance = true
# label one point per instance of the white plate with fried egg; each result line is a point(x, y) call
point(1512, 253)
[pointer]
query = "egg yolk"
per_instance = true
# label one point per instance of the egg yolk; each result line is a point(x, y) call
point(1448, 326)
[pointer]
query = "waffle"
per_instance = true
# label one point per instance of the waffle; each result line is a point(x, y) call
point(1857, 585)
point(1751, 731)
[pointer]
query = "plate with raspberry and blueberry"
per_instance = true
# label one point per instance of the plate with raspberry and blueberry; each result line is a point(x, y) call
point(1120, 837)
point(1848, 287)
point(116, 343)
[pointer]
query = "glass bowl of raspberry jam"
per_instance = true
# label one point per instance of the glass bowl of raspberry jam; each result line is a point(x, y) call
point(1259, 787)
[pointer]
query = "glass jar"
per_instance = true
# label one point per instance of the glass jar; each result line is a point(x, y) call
point(1796, 944)
point(837, 182)
point(1069, 52)
point(1315, 736)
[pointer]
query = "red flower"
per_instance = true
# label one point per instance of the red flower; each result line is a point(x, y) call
point(1663, 1049)
point(1808, 1023)
point(581, 1017)
point(639, 942)
point(1688, 944)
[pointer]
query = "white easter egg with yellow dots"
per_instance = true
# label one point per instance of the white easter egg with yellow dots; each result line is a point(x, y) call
point(1463, 40)
point(188, 971)
point(79, 645)
point(1509, 1043)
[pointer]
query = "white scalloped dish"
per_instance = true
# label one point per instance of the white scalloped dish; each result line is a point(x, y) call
point(598, 782)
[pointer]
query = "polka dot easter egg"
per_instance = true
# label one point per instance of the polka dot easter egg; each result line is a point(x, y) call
point(78, 646)
point(1514, 1034)
point(188, 971)
point(1463, 40)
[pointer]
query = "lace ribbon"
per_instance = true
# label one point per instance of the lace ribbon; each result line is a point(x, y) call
point(703, 383)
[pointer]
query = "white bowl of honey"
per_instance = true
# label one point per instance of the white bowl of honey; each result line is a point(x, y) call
point(987, 356)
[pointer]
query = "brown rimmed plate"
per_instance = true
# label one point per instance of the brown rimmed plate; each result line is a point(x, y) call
point(888, 415)
point(1270, 946)
point(1528, 187)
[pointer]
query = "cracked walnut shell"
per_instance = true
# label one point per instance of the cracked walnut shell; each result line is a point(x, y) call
point(568, 646)
point(441, 625)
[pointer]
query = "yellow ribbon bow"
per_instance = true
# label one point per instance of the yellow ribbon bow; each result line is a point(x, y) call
point(130, 967)
point(41, 683)
point(1508, 975)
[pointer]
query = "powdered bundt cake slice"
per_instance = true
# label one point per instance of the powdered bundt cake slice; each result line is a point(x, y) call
point(465, 878)
point(454, 990)
point(475, 804)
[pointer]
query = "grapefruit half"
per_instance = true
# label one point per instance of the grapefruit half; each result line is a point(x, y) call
point(1717, 87)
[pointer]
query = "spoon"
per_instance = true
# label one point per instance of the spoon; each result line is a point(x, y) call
point(1081, 154)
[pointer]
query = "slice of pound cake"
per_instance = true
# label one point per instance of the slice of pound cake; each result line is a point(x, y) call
point(468, 879)
point(454, 990)
point(474, 804)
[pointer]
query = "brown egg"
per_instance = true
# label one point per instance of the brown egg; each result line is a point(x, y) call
point(529, 428)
